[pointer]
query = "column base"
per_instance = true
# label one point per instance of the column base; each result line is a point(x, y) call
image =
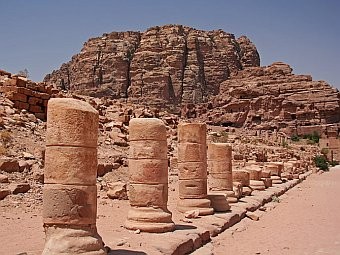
point(219, 202)
point(276, 179)
point(257, 185)
point(246, 191)
point(150, 219)
point(231, 197)
point(71, 240)
point(200, 204)
point(267, 182)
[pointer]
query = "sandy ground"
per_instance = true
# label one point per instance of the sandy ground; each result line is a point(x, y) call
point(306, 221)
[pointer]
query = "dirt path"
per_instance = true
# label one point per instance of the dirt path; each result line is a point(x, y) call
point(306, 221)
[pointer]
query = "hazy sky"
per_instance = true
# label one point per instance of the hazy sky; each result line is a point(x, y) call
point(40, 35)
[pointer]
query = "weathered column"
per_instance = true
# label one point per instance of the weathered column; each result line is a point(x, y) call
point(192, 168)
point(255, 177)
point(70, 191)
point(148, 174)
point(242, 176)
point(296, 168)
point(265, 177)
point(275, 171)
point(220, 170)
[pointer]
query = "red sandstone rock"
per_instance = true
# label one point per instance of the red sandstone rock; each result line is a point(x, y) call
point(171, 63)
point(4, 193)
point(117, 190)
point(9, 165)
point(20, 188)
point(3, 178)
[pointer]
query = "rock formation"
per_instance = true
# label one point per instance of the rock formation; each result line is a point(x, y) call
point(168, 64)
point(208, 74)
point(273, 98)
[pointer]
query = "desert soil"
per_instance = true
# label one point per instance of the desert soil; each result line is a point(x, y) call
point(305, 221)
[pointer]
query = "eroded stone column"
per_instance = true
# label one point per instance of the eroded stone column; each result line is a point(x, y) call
point(192, 168)
point(242, 176)
point(265, 177)
point(148, 175)
point(255, 177)
point(275, 169)
point(70, 191)
point(220, 170)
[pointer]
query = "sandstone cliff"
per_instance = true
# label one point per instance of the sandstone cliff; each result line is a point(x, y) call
point(208, 74)
point(273, 98)
point(165, 64)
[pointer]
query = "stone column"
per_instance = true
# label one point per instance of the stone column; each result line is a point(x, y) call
point(70, 191)
point(192, 168)
point(220, 170)
point(275, 171)
point(148, 174)
point(255, 177)
point(242, 176)
point(265, 177)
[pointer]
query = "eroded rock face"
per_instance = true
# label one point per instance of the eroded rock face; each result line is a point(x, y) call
point(273, 98)
point(171, 63)
point(209, 75)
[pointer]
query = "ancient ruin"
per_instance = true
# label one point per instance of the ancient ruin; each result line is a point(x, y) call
point(148, 174)
point(192, 168)
point(275, 171)
point(70, 191)
point(255, 173)
point(148, 131)
point(243, 177)
point(220, 170)
point(212, 74)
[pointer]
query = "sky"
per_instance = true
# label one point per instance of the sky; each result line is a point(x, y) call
point(40, 35)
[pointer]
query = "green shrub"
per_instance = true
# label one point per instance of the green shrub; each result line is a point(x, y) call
point(321, 162)
point(312, 138)
point(295, 138)
point(324, 151)
point(334, 163)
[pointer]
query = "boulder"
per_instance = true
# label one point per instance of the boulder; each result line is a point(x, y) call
point(20, 188)
point(9, 165)
point(4, 178)
point(4, 193)
point(117, 190)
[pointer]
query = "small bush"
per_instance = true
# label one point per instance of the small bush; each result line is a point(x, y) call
point(295, 138)
point(275, 199)
point(324, 151)
point(334, 163)
point(321, 162)
point(312, 138)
